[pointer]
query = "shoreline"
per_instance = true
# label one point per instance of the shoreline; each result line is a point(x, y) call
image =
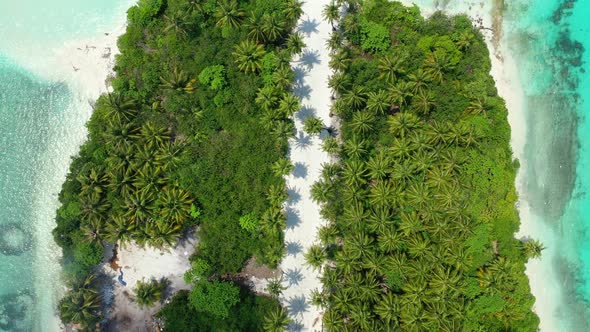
point(67, 134)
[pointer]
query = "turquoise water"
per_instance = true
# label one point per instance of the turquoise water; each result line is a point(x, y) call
point(550, 41)
point(41, 126)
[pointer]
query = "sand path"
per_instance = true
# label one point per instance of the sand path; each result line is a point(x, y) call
point(303, 215)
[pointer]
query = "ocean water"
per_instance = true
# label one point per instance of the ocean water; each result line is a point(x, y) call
point(550, 40)
point(42, 121)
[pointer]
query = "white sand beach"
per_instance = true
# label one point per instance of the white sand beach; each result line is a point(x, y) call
point(541, 272)
point(136, 264)
point(303, 215)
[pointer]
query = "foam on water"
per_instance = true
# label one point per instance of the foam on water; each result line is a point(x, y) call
point(42, 117)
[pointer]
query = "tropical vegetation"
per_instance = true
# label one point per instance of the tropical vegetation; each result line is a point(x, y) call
point(420, 203)
point(193, 134)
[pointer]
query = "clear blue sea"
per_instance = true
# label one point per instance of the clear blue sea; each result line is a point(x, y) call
point(41, 126)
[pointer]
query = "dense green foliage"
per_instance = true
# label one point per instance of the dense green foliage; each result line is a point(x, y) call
point(200, 112)
point(249, 315)
point(421, 204)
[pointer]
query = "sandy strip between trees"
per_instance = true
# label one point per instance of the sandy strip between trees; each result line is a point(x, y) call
point(303, 215)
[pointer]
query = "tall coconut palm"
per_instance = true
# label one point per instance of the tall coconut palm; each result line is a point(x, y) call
point(315, 257)
point(354, 173)
point(293, 10)
point(362, 122)
point(254, 26)
point(267, 98)
point(175, 205)
point(119, 230)
point(295, 43)
point(283, 129)
point(437, 65)
point(419, 80)
point(378, 102)
point(80, 307)
point(477, 106)
point(388, 309)
point(403, 123)
point(331, 145)
point(532, 248)
point(400, 93)
point(248, 56)
point(92, 181)
point(282, 167)
point(331, 13)
point(272, 26)
point(388, 240)
point(355, 97)
point(288, 105)
point(177, 80)
point(339, 82)
point(277, 194)
point(381, 194)
point(154, 136)
point(120, 107)
point(176, 22)
point(276, 321)
point(150, 292)
point(321, 191)
point(139, 206)
point(423, 102)
point(355, 147)
point(391, 67)
point(229, 14)
point(379, 166)
point(380, 218)
point(313, 125)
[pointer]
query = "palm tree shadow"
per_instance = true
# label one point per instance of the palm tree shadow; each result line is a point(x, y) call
point(293, 219)
point(293, 277)
point(295, 327)
point(301, 90)
point(309, 58)
point(297, 305)
point(309, 26)
point(294, 195)
point(302, 141)
point(300, 74)
point(305, 112)
point(293, 248)
point(300, 170)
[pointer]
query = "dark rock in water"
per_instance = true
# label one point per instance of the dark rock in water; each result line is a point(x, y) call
point(16, 312)
point(14, 240)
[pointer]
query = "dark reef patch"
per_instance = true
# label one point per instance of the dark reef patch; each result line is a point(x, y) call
point(14, 239)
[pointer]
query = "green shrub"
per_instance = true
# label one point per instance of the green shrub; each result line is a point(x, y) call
point(215, 298)
point(213, 77)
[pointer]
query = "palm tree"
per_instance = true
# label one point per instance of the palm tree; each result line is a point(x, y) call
point(194, 6)
point(331, 13)
point(361, 317)
point(284, 129)
point(282, 167)
point(272, 26)
point(380, 219)
point(354, 173)
point(288, 105)
point(335, 41)
point(437, 65)
point(321, 191)
point(80, 307)
point(379, 165)
point(319, 298)
point(120, 108)
point(362, 122)
point(410, 223)
point(254, 25)
point(477, 106)
point(330, 171)
point(93, 206)
point(355, 97)
point(388, 309)
point(275, 287)
point(313, 125)
point(175, 205)
point(401, 148)
point(340, 60)
point(295, 43)
point(293, 10)
point(418, 195)
point(401, 124)
point(277, 194)
point(148, 293)
point(355, 147)
point(249, 56)
point(92, 181)
point(419, 80)
point(444, 281)
point(400, 93)
point(267, 97)
point(315, 257)
point(389, 240)
point(532, 248)
point(339, 82)
point(276, 321)
point(93, 230)
point(153, 135)
point(177, 80)
point(423, 102)
point(381, 194)
point(139, 206)
point(177, 23)
point(331, 145)
point(378, 102)
point(119, 229)
point(390, 68)
point(229, 14)
point(464, 40)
